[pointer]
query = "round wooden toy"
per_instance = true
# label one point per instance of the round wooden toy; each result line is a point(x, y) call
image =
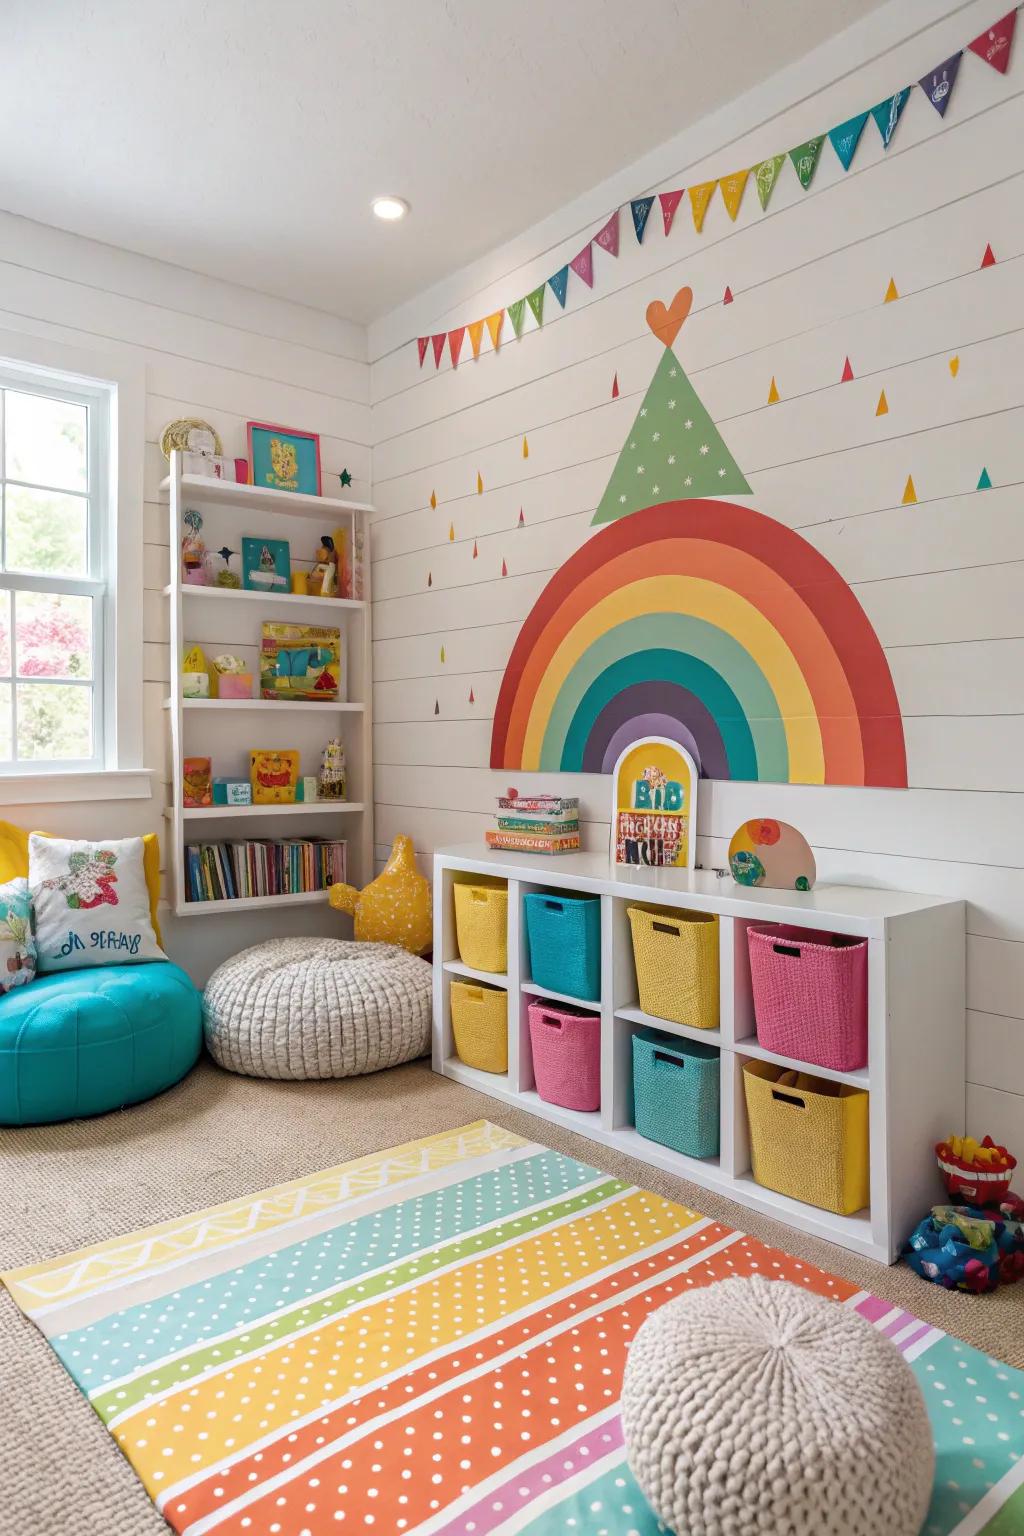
point(772, 853)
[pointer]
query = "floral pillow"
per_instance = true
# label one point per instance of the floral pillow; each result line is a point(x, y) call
point(91, 903)
point(17, 935)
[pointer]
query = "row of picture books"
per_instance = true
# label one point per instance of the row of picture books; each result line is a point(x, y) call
point(537, 824)
point(262, 867)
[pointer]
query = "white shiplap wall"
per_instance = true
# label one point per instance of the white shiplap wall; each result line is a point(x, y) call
point(230, 356)
point(940, 581)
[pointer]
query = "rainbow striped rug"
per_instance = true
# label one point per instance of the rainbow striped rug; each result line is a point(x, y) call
point(431, 1340)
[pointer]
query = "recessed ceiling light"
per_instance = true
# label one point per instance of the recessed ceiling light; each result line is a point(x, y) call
point(390, 208)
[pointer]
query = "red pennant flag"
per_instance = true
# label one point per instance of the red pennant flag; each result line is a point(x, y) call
point(472, 699)
point(989, 258)
point(727, 298)
point(847, 373)
point(475, 550)
point(608, 237)
point(438, 343)
point(583, 264)
point(504, 568)
point(669, 203)
point(522, 519)
point(422, 343)
point(615, 387)
point(993, 45)
point(455, 343)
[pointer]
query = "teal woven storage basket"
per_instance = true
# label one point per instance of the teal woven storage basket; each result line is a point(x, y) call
point(564, 936)
point(675, 1092)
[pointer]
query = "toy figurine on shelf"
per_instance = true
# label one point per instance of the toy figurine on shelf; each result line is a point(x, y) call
point(323, 578)
point(333, 772)
point(227, 577)
point(193, 551)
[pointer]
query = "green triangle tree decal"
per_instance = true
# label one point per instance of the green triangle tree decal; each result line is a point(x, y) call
point(674, 451)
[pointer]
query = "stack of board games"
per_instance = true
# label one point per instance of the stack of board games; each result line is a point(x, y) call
point(537, 824)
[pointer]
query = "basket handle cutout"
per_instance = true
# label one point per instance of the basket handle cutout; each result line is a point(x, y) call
point(551, 1020)
point(789, 1098)
point(479, 896)
point(670, 1061)
point(787, 949)
point(672, 928)
point(476, 993)
point(552, 905)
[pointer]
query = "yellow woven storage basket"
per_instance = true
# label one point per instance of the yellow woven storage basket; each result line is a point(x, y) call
point(676, 957)
point(481, 925)
point(808, 1137)
point(480, 1026)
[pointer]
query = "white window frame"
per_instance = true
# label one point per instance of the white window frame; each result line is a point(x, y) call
point(117, 383)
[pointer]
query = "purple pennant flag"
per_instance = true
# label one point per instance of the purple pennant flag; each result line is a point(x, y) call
point(938, 83)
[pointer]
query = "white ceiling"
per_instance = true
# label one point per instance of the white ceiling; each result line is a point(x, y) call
point(245, 138)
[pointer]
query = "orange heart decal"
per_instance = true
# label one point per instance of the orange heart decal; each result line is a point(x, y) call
point(667, 323)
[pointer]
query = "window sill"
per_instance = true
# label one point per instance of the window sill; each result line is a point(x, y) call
point(74, 787)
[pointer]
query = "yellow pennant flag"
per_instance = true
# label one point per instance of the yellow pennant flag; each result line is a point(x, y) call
point(494, 324)
point(451, 533)
point(732, 192)
point(433, 501)
point(699, 199)
point(526, 449)
point(476, 331)
point(773, 392)
point(442, 655)
point(954, 365)
point(479, 483)
point(892, 292)
point(882, 408)
point(909, 493)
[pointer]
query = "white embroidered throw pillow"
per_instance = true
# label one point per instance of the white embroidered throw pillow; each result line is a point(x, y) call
point(91, 903)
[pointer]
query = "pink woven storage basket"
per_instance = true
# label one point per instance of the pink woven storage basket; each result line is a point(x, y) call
point(566, 1045)
point(810, 994)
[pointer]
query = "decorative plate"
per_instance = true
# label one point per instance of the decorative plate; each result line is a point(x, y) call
point(772, 853)
point(190, 435)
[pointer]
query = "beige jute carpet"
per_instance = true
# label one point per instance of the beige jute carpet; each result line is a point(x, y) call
point(216, 1136)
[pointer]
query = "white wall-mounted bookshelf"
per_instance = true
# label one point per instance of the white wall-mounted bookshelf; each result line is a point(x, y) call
point(225, 619)
point(916, 1037)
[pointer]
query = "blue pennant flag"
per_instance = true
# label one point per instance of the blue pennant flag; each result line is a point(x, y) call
point(887, 114)
point(640, 207)
point(846, 137)
point(939, 82)
point(559, 284)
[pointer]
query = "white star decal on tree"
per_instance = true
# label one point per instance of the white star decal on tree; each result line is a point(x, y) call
point(721, 474)
point(640, 470)
point(655, 489)
point(704, 448)
point(672, 372)
point(643, 410)
point(671, 458)
point(688, 480)
point(687, 423)
point(671, 405)
point(633, 444)
point(622, 498)
point(655, 437)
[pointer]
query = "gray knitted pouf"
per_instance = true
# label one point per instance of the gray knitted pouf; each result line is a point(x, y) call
point(305, 1008)
point(752, 1405)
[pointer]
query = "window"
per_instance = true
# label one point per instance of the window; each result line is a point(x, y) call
point(55, 597)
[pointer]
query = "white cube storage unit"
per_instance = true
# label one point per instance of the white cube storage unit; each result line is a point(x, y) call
point(916, 1032)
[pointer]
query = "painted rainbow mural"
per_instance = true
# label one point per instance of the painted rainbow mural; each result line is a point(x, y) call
point(716, 626)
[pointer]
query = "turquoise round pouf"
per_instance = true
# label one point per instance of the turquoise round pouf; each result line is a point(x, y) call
point(80, 1042)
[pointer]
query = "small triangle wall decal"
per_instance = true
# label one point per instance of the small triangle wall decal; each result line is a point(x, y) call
point(479, 483)
point(522, 519)
point(526, 449)
point(472, 696)
point(475, 550)
point(615, 387)
point(504, 568)
point(773, 392)
point(847, 374)
point(954, 365)
point(430, 578)
point(433, 501)
point(451, 533)
point(727, 296)
point(989, 258)
point(437, 708)
point(984, 481)
point(882, 408)
point(892, 292)
point(442, 655)
point(909, 493)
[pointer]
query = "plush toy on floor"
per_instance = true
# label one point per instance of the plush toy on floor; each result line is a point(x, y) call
point(394, 908)
point(976, 1243)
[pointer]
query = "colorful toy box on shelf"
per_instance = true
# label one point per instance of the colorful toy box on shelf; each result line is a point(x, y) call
point(976, 1171)
point(536, 824)
point(230, 678)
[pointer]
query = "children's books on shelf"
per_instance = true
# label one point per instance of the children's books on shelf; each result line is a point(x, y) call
point(300, 661)
point(229, 871)
point(531, 842)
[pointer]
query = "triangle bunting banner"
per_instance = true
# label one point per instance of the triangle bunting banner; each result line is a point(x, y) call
point(938, 83)
point(993, 45)
point(845, 138)
point(476, 331)
point(583, 264)
point(887, 114)
point(559, 283)
point(732, 192)
point(607, 236)
point(640, 208)
point(455, 343)
point(437, 342)
point(805, 160)
point(669, 203)
point(494, 324)
point(515, 314)
point(422, 343)
point(536, 303)
point(765, 176)
point(700, 196)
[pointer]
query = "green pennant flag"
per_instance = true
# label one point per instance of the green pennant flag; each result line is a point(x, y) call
point(536, 303)
point(805, 158)
point(515, 314)
point(765, 176)
point(673, 452)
